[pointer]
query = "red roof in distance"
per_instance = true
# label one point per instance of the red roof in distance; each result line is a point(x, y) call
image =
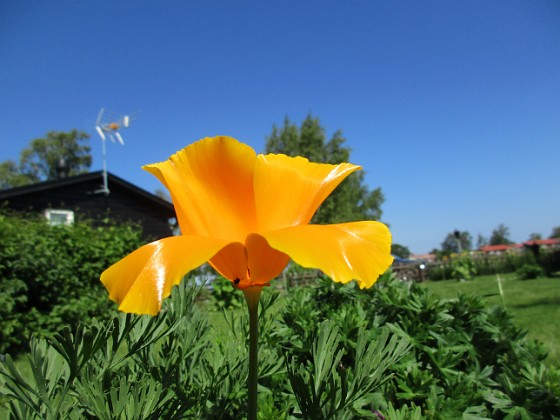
point(503, 247)
point(552, 241)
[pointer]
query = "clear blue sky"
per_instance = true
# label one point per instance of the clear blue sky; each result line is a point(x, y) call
point(452, 108)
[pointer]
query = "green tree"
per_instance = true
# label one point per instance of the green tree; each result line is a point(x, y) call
point(457, 241)
point(400, 250)
point(481, 241)
point(500, 236)
point(352, 200)
point(10, 176)
point(41, 159)
point(555, 232)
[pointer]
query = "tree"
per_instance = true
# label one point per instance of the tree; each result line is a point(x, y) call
point(352, 200)
point(500, 236)
point(10, 176)
point(555, 233)
point(400, 251)
point(535, 237)
point(481, 241)
point(42, 159)
point(456, 242)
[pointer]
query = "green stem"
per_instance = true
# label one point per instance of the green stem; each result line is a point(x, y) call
point(252, 296)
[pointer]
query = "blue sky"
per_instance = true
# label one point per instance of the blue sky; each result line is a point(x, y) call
point(452, 108)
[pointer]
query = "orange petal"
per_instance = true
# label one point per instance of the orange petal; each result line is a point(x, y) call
point(265, 263)
point(288, 190)
point(140, 281)
point(231, 262)
point(254, 264)
point(211, 185)
point(347, 251)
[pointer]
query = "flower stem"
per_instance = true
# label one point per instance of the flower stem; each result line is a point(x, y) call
point(252, 296)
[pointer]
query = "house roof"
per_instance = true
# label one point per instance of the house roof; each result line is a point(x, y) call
point(83, 178)
point(503, 247)
point(551, 241)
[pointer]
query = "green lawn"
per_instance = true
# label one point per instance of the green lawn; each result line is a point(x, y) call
point(534, 304)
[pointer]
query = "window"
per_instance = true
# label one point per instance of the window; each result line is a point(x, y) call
point(59, 217)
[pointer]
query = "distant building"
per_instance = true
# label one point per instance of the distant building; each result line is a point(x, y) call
point(544, 243)
point(81, 197)
point(552, 243)
point(429, 258)
point(499, 249)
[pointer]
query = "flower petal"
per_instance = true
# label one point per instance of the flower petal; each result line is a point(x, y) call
point(347, 251)
point(265, 263)
point(288, 190)
point(140, 281)
point(254, 264)
point(211, 185)
point(231, 262)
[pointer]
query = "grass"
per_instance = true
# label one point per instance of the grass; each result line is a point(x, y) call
point(534, 304)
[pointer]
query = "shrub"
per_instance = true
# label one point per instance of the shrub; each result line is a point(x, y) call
point(49, 275)
point(550, 261)
point(439, 271)
point(463, 268)
point(529, 272)
point(223, 294)
point(480, 264)
point(329, 351)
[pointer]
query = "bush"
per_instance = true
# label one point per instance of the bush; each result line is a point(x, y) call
point(529, 272)
point(328, 351)
point(463, 268)
point(223, 294)
point(508, 262)
point(49, 275)
point(550, 261)
point(481, 264)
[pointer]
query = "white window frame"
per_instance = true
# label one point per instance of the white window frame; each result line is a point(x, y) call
point(55, 221)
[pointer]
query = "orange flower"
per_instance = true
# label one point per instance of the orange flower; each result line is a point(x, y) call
point(247, 215)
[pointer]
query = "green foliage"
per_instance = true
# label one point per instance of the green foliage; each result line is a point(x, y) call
point(41, 159)
point(327, 389)
point(463, 267)
point(481, 264)
point(10, 176)
point(550, 262)
point(329, 351)
point(352, 200)
point(534, 306)
point(400, 251)
point(529, 272)
point(456, 242)
point(49, 275)
point(223, 294)
point(500, 235)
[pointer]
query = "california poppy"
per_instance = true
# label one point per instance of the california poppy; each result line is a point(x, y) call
point(246, 215)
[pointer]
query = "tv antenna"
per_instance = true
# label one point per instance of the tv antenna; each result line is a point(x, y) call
point(108, 126)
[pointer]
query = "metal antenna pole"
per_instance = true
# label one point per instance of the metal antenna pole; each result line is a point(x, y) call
point(109, 129)
point(105, 189)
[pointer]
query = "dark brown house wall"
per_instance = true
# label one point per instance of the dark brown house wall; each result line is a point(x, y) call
point(86, 199)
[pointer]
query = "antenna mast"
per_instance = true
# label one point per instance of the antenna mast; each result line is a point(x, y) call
point(109, 128)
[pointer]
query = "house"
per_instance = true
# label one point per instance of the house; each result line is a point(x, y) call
point(533, 245)
point(428, 258)
point(96, 197)
point(499, 249)
point(545, 243)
